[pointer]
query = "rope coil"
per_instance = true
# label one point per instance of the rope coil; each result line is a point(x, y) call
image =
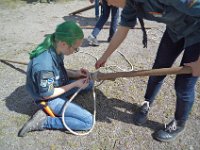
point(94, 113)
point(93, 77)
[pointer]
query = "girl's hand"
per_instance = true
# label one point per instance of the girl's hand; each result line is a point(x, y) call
point(100, 63)
point(82, 83)
point(195, 67)
point(83, 73)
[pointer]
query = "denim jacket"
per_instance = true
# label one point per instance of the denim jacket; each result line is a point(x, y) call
point(45, 72)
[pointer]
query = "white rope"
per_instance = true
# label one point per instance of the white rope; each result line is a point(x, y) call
point(94, 113)
point(94, 98)
point(112, 66)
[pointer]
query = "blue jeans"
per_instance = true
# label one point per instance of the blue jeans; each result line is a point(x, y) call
point(76, 117)
point(167, 53)
point(97, 8)
point(104, 17)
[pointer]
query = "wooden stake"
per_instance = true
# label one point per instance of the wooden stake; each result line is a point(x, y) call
point(82, 10)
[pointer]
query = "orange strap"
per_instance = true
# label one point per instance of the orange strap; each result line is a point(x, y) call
point(47, 109)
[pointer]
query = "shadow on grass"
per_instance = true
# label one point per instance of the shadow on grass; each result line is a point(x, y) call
point(83, 21)
point(108, 109)
point(13, 67)
point(20, 102)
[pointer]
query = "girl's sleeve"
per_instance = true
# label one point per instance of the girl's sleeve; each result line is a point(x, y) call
point(128, 15)
point(44, 81)
point(189, 7)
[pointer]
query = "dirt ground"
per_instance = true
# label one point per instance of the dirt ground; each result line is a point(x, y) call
point(23, 26)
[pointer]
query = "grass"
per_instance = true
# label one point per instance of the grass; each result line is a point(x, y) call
point(10, 3)
point(14, 3)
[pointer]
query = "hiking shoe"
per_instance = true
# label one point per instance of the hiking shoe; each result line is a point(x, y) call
point(141, 115)
point(170, 132)
point(92, 41)
point(34, 124)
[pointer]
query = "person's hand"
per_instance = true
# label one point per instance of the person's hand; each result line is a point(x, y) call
point(83, 73)
point(195, 67)
point(91, 1)
point(82, 83)
point(100, 63)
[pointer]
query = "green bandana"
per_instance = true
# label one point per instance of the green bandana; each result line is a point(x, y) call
point(68, 32)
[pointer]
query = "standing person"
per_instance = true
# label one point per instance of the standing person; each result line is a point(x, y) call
point(106, 9)
point(182, 18)
point(96, 4)
point(97, 9)
point(48, 80)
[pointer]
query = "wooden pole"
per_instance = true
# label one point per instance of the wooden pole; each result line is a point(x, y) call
point(153, 72)
point(82, 10)
point(112, 76)
point(16, 62)
point(108, 27)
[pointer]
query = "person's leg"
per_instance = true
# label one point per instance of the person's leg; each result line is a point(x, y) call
point(76, 117)
point(185, 93)
point(87, 89)
point(185, 85)
point(114, 21)
point(97, 9)
point(102, 20)
point(167, 53)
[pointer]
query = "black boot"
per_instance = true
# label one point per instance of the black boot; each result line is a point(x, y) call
point(34, 124)
point(171, 131)
point(141, 115)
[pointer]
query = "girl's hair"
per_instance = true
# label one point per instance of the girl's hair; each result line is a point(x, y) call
point(68, 32)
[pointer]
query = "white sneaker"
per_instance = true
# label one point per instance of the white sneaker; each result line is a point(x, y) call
point(92, 41)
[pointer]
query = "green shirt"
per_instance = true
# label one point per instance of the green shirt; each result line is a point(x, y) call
point(182, 17)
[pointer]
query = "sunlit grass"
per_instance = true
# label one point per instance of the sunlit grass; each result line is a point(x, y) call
point(15, 3)
point(10, 3)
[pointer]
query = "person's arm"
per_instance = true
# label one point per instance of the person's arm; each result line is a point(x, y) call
point(44, 81)
point(72, 73)
point(82, 83)
point(75, 74)
point(60, 90)
point(116, 41)
point(128, 20)
point(195, 67)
